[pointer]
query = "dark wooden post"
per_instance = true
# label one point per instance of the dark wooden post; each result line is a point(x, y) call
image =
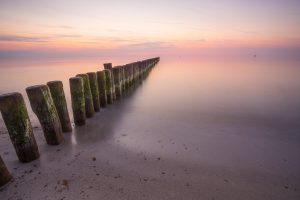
point(15, 116)
point(94, 90)
point(117, 79)
point(78, 102)
point(89, 106)
point(102, 88)
point(59, 99)
point(109, 92)
point(42, 105)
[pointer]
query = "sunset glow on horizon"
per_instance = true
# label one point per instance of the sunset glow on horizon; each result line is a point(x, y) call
point(152, 26)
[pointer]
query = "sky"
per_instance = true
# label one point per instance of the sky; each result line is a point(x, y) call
point(94, 27)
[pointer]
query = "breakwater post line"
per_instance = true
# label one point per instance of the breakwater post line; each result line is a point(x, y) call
point(88, 91)
point(15, 116)
point(43, 106)
point(5, 175)
point(59, 99)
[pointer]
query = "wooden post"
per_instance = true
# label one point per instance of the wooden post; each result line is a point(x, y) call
point(15, 116)
point(117, 79)
point(127, 75)
point(5, 175)
point(108, 66)
point(89, 106)
point(78, 102)
point(102, 88)
point(123, 78)
point(59, 99)
point(109, 92)
point(94, 90)
point(42, 105)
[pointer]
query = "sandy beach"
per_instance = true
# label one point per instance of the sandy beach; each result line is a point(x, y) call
point(144, 147)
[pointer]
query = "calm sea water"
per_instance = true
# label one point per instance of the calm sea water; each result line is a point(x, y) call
point(238, 113)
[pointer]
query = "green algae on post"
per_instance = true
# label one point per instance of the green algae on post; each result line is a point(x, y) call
point(15, 116)
point(109, 92)
point(78, 100)
point(5, 175)
point(59, 99)
point(43, 106)
point(101, 79)
point(89, 106)
point(94, 90)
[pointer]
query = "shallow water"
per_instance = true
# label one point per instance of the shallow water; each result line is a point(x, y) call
point(237, 118)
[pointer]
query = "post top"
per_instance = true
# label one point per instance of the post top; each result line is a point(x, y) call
point(36, 87)
point(11, 94)
point(54, 82)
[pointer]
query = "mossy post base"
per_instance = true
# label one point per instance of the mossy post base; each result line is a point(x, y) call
point(59, 99)
point(78, 102)
point(101, 79)
point(89, 105)
point(15, 116)
point(109, 91)
point(94, 90)
point(5, 175)
point(43, 106)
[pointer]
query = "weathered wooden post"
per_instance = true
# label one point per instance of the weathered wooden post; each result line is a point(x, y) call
point(89, 106)
point(109, 93)
point(5, 175)
point(130, 74)
point(140, 70)
point(59, 99)
point(102, 88)
point(78, 102)
point(15, 116)
point(123, 78)
point(117, 80)
point(42, 105)
point(126, 68)
point(94, 90)
point(109, 67)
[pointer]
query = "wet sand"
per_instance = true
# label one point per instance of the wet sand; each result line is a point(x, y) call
point(95, 163)
point(144, 148)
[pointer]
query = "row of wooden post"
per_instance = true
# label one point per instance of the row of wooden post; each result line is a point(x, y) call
point(89, 92)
